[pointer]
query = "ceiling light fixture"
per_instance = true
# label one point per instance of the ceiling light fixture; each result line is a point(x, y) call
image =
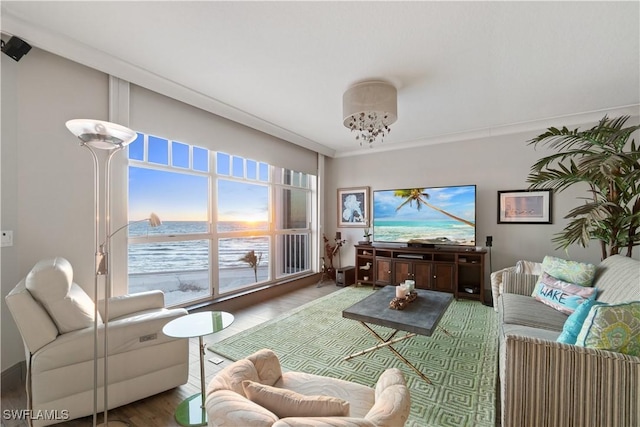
point(370, 108)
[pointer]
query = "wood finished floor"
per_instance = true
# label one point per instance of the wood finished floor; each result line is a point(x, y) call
point(158, 410)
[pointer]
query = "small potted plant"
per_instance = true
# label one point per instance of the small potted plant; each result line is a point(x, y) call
point(366, 232)
point(367, 235)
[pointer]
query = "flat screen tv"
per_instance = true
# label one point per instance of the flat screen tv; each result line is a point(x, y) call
point(432, 215)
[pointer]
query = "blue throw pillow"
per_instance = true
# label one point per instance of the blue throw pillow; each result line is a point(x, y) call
point(573, 324)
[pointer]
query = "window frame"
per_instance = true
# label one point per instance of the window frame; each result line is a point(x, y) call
point(276, 180)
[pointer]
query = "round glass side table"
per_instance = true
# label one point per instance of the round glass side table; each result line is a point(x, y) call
point(191, 411)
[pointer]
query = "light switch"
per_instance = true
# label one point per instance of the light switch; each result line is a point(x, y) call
point(7, 238)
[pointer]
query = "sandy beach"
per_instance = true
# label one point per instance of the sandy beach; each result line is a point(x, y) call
point(182, 286)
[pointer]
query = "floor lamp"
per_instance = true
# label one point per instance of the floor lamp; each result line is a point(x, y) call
point(96, 134)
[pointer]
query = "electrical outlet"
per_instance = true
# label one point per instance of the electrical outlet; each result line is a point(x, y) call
point(489, 241)
point(7, 238)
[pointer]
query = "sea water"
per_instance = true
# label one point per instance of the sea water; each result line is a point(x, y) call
point(403, 231)
point(189, 255)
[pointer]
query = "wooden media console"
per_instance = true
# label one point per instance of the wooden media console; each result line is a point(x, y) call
point(458, 270)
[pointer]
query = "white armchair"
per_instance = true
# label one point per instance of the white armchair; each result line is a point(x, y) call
point(55, 318)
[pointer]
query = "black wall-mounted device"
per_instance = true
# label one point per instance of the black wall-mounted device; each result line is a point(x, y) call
point(16, 48)
point(489, 241)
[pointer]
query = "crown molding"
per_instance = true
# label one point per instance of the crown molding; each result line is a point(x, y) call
point(533, 126)
point(73, 50)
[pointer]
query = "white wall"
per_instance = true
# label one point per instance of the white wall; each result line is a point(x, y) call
point(47, 179)
point(492, 164)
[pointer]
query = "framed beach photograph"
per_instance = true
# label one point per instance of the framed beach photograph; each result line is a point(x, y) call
point(353, 207)
point(524, 207)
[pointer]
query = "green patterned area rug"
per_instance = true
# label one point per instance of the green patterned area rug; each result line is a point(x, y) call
point(315, 338)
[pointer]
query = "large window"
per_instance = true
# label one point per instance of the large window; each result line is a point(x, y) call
point(236, 225)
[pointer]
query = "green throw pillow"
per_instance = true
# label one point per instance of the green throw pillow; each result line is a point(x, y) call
point(613, 327)
point(579, 273)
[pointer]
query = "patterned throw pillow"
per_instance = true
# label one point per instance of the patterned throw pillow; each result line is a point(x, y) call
point(574, 322)
point(613, 327)
point(579, 273)
point(287, 403)
point(563, 296)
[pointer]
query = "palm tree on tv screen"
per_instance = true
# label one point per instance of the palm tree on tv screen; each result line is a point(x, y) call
point(420, 197)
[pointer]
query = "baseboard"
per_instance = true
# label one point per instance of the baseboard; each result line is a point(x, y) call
point(13, 377)
point(254, 296)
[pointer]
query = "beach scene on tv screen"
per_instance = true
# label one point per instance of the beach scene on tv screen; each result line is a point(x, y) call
point(436, 215)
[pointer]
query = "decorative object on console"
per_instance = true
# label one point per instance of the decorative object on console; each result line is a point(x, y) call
point(97, 134)
point(366, 233)
point(369, 109)
point(353, 207)
point(602, 158)
point(524, 207)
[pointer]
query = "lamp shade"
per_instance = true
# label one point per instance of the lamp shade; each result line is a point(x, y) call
point(375, 96)
point(100, 134)
point(369, 108)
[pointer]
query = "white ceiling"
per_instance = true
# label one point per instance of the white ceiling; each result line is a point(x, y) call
point(462, 69)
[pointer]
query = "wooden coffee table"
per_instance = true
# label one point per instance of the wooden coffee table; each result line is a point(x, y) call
point(420, 317)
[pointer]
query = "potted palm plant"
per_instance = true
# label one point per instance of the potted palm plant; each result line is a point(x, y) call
point(602, 158)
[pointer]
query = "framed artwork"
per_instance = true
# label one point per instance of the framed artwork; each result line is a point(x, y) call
point(524, 207)
point(353, 207)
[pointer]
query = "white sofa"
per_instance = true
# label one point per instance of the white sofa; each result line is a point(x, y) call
point(388, 404)
point(55, 318)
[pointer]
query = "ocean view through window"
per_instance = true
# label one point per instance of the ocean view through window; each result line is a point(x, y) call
point(237, 224)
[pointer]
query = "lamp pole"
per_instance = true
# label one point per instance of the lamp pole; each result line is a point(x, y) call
point(96, 134)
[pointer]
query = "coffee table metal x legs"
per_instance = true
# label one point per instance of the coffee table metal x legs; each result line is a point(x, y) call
point(388, 343)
